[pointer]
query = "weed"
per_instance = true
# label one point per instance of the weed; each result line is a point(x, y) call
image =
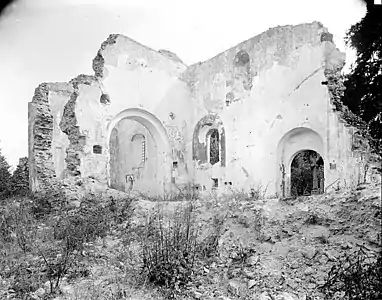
point(169, 248)
point(355, 276)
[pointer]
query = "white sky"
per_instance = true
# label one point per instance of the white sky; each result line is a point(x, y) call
point(55, 40)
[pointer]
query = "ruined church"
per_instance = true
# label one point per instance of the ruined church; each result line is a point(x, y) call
point(145, 121)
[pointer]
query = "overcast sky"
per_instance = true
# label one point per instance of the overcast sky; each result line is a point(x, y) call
point(55, 40)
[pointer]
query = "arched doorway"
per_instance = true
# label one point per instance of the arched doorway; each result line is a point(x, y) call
point(295, 141)
point(307, 174)
point(138, 153)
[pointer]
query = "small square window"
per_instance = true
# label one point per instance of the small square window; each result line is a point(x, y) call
point(332, 166)
point(97, 149)
point(216, 182)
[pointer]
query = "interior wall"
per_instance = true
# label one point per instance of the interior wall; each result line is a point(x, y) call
point(128, 171)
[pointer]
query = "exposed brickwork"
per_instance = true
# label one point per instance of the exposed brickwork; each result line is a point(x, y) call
point(70, 127)
point(40, 136)
point(99, 61)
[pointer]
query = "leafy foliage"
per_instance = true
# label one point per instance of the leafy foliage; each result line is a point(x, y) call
point(84, 224)
point(46, 245)
point(363, 84)
point(20, 178)
point(5, 178)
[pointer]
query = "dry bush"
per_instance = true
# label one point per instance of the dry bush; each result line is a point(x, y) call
point(355, 276)
point(52, 239)
point(169, 248)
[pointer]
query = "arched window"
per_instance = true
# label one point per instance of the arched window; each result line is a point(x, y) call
point(140, 137)
point(213, 144)
point(208, 143)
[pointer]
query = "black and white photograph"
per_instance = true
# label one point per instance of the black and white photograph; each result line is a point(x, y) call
point(190, 150)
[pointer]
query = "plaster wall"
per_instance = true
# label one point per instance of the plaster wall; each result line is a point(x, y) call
point(280, 89)
point(129, 158)
point(268, 97)
point(60, 140)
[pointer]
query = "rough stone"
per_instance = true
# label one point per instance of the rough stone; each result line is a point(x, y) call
point(308, 271)
point(233, 288)
point(309, 252)
point(252, 283)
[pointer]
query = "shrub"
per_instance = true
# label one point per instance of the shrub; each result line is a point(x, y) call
point(84, 224)
point(71, 229)
point(121, 211)
point(355, 276)
point(20, 178)
point(209, 245)
point(46, 202)
point(17, 224)
point(27, 277)
point(169, 248)
point(5, 178)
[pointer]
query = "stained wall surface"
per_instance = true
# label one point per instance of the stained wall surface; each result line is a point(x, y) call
point(268, 98)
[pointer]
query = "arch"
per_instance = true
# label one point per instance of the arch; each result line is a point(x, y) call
point(293, 142)
point(200, 138)
point(138, 135)
point(159, 134)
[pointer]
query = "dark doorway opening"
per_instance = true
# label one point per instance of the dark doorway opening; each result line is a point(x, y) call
point(307, 174)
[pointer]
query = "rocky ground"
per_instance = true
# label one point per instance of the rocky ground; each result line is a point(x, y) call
point(269, 249)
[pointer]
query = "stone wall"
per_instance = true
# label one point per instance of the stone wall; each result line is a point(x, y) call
point(262, 101)
point(263, 90)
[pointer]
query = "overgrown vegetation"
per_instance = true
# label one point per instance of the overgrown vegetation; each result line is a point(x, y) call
point(363, 85)
point(5, 178)
point(355, 276)
point(46, 240)
point(170, 248)
point(42, 244)
point(16, 183)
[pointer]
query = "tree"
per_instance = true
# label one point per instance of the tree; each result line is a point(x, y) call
point(20, 178)
point(363, 93)
point(5, 177)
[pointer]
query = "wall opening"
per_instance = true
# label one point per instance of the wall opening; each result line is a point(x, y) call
point(138, 153)
point(208, 143)
point(97, 149)
point(215, 182)
point(213, 145)
point(133, 156)
point(307, 174)
point(293, 142)
point(139, 140)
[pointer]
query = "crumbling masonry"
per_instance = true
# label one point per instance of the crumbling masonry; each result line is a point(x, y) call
point(145, 121)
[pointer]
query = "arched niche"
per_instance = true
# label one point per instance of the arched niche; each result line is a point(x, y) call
point(160, 152)
point(291, 144)
point(208, 134)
